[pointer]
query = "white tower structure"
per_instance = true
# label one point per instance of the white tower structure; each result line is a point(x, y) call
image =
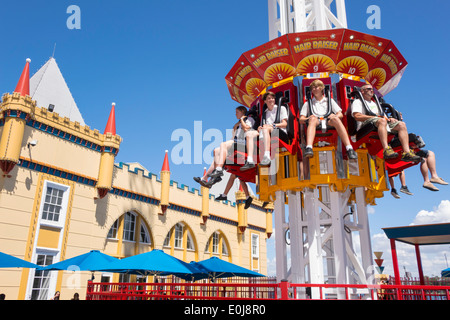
point(319, 227)
point(289, 16)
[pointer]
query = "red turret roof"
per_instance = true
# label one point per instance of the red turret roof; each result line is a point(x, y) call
point(165, 166)
point(111, 125)
point(23, 86)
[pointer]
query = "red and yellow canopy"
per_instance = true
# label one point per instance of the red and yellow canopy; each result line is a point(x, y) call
point(356, 54)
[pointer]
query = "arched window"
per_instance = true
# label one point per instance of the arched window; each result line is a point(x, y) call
point(178, 236)
point(177, 233)
point(217, 245)
point(181, 239)
point(112, 234)
point(145, 235)
point(130, 227)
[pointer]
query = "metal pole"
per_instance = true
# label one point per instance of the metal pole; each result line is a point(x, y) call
point(395, 262)
point(419, 265)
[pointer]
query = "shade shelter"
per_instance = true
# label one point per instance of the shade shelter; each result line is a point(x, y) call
point(155, 262)
point(9, 261)
point(90, 261)
point(218, 268)
point(430, 234)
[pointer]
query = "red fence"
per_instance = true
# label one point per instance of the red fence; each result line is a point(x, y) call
point(411, 281)
point(262, 291)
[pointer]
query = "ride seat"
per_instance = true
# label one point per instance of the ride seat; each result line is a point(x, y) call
point(328, 133)
point(367, 134)
point(286, 139)
point(237, 154)
point(395, 166)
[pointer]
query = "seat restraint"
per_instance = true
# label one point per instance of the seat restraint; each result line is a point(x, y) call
point(323, 119)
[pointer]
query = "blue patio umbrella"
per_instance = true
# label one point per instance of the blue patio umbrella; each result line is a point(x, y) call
point(218, 268)
point(9, 261)
point(91, 261)
point(445, 273)
point(155, 262)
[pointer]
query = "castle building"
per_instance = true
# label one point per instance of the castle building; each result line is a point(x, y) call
point(62, 195)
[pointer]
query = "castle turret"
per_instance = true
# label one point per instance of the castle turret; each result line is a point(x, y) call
point(16, 109)
point(242, 213)
point(269, 223)
point(110, 149)
point(205, 201)
point(23, 86)
point(165, 184)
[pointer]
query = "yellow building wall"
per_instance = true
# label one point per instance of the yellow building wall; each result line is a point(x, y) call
point(92, 218)
point(89, 218)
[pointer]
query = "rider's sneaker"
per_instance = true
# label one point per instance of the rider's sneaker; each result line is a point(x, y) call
point(388, 153)
point(216, 173)
point(410, 156)
point(404, 189)
point(352, 154)
point(247, 166)
point(395, 194)
point(265, 161)
point(309, 153)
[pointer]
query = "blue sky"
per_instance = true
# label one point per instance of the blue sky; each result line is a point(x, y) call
point(163, 63)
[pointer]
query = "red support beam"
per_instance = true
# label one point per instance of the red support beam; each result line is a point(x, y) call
point(419, 265)
point(284, 288)
point(395, 262)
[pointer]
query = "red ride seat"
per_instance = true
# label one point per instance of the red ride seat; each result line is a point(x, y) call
point(395, 166)
point(324, 132)
point(367, 134)
point(288, 140)
point(237, 155)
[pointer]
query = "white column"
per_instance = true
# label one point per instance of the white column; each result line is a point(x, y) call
point(314, 240)
point(296, 243)
point(307, 15)
point(338, 205)
point(364, 234)
point(274, 22)
point(341, 13)
point(280, 242)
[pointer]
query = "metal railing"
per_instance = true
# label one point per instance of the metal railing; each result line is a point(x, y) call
point(262, 291)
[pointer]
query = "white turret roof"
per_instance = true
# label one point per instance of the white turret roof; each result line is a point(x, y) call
point(47, 86)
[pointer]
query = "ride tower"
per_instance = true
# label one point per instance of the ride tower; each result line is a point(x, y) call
point(320, 203)
point(320, 238)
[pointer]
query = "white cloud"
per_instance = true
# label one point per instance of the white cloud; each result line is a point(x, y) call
point(441, 214)
point(271, 266)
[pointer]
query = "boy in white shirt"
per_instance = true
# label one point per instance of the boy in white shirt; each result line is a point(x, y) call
point(383, 124)
point(215, 171)
point(265, 130)
point(319, 109)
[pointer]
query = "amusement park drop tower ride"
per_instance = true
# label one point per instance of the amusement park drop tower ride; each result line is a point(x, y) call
point(327, 195)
